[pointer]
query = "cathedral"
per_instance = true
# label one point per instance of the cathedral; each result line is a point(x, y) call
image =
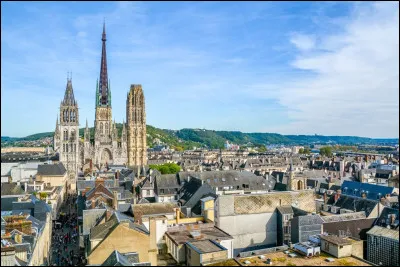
point(106, 146)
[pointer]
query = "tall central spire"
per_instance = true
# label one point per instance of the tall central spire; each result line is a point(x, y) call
point(103, 83)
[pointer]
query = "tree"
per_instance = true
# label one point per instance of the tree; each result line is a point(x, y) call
point(326, 151)
point(167, 168)
point(262, 149)
point(301, 151)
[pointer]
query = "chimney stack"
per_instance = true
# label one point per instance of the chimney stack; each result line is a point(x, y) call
point(325, 198)
point(177, 212)
point(115, 200)
point(337, 195)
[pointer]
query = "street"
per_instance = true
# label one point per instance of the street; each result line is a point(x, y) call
point(65, 236)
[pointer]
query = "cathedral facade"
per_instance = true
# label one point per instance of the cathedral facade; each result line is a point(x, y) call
point(107, 146)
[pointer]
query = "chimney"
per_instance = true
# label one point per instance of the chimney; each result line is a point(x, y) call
point(177, 213)
point(392, 218)
point(108, 214)
point(91, 165)
point(337, 195)
point(10, 179)
point(153, 233)
point(26, 186)
point(364, 195)
point(115, 200)
point(325, 198)
point(134, 192)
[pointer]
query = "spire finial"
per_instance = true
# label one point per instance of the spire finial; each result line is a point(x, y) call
point(86, 123)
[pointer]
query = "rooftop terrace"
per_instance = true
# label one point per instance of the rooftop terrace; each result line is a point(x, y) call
point(282, 259)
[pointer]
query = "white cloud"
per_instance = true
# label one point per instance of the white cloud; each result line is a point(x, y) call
point(303, 42)
point(355, 86)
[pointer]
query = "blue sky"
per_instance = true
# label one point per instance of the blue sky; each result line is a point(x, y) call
point(330, 68)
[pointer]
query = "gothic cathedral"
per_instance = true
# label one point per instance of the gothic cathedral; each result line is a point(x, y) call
point(107, 147)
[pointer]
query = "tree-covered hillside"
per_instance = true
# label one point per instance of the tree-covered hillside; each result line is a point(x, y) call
point(189, 138)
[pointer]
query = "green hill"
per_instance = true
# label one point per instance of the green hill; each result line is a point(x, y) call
point(188, 138)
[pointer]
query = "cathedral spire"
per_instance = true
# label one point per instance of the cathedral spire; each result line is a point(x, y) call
point(69, 98)
point(103, 83)
point(86, 124)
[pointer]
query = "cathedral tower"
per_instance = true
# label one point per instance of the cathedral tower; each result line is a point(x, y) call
point(136, 122)
point(66, 136)
point(103, 117)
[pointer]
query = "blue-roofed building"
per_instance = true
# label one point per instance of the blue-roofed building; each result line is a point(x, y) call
point(371, 191)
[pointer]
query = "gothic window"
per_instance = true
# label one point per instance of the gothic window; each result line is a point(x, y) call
point(70, 116)
point(106, 127)
point(73, 134)
point(65, 135)
point(74, 147)
point(66, 148)
point(74, 116)
point(63, 147)
point(101, 128)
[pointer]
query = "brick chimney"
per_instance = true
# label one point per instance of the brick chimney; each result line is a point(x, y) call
point(325, 198)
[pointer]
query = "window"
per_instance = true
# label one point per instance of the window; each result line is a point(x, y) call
point(74, 147)
point(286, 229)
point(161, 191)
point(106, 128)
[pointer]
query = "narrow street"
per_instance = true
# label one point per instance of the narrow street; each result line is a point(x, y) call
point(65, 241)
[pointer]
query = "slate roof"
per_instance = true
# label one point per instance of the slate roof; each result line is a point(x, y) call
point(91, 218)
point(100, 231)
point(228, 178)
point(9, 189)
point(51, 169)
point(310, 220)
point(385, 219)
point(116, 259)
point(170, 183)
point(193, 192)
point(344, 217)
point(351, 203)
point(285, 209)
point(381, 231)
point(349, 188)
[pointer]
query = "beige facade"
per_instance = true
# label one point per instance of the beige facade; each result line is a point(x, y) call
point(124, 239)
point(341, 247)
point(42, 252)
point(53, 180)
point(136, 121)
point(197, 257)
